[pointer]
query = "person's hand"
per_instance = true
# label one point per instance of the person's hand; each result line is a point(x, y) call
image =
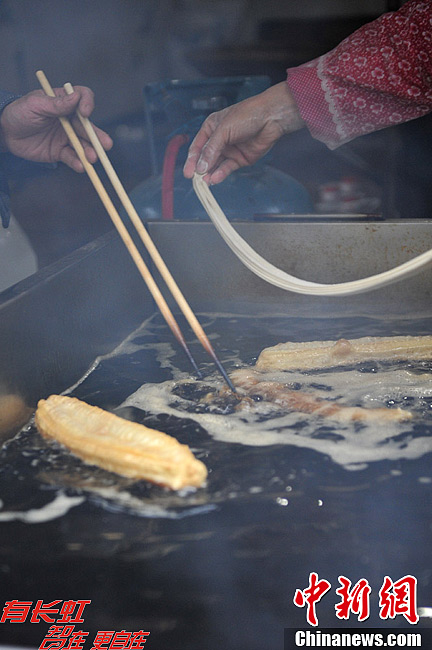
point(30, 128)
point(242, 133)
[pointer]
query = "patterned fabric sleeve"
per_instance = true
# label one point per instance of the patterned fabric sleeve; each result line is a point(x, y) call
point(379, 76)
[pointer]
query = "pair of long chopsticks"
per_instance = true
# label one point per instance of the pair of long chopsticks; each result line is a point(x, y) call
point(142, 232)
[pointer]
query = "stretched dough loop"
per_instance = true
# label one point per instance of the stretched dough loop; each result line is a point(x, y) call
point(283, 280)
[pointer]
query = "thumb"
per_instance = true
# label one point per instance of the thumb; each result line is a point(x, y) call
point(60, 105)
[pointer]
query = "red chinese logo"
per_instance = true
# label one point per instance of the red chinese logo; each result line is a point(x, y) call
point(395, 598)
point(355, 601)
point(399, 597)
point(311, 596)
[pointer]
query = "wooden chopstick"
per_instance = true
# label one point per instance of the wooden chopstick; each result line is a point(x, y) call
point(141, 230)
point(148, 242)
point(121, 229)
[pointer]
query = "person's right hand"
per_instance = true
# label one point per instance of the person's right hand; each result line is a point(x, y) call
point(240, 134)
point(30, 128)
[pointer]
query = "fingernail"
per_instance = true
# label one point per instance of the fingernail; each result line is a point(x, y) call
point(202, 166)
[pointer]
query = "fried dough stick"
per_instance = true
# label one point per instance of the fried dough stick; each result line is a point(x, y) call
point(312, 355)
point(118, 445)
point(251, 382)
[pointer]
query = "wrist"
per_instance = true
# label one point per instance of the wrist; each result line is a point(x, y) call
point(283, 108)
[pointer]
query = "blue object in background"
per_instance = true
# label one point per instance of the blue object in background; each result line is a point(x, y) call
point(242, 195)
point(180, 107)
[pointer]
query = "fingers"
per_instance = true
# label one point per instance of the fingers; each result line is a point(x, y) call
point(81, 99)
point(86, 102)
point(195, 150)
point(31, 127)
point(242, 133)
point(61, 105)
point(65, 105)
point(105, 139)
point(69, 157)
point(225, 169)
point(210, 153)
point(190, 164)
point(214, 142)
point(215, 160)
point(204, 153)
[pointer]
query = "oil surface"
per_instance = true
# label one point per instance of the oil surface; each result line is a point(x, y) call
point(255, 453)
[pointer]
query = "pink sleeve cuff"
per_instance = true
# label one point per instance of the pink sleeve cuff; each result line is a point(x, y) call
point(379, 76)
point(314, 108)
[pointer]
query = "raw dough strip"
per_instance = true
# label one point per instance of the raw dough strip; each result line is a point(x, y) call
point(118, 445)
point(278, 393)
point(279, 278)
point(313, 355)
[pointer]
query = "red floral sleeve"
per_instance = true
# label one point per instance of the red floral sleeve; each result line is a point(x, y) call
point(379, 76)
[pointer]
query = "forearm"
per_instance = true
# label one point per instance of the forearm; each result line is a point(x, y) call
point(378, 77)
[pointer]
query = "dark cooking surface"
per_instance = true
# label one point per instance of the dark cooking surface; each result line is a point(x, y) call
point(217, 568)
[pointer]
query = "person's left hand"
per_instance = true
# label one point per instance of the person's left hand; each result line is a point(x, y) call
point(30, 128)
